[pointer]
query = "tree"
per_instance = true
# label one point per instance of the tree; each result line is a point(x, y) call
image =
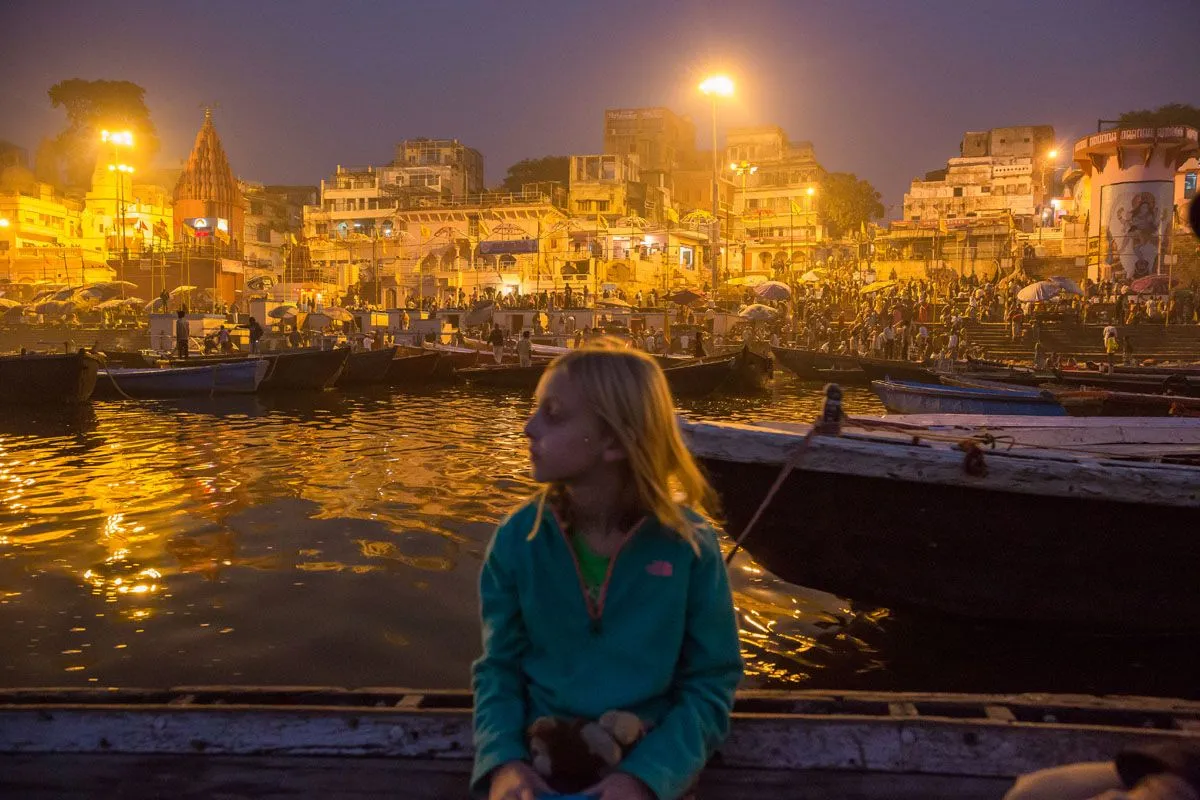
point(537, 170)
point(845, 203)
point(93, 106)
point(1170, 114)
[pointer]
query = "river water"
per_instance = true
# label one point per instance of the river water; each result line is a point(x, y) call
point(335, 539)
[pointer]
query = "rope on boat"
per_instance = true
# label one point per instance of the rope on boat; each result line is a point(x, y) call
point(829, 424)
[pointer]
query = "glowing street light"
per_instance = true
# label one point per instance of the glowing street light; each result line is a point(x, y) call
point(1053, 154)
point(810, 191)
point(117, 140)
point(715, 86)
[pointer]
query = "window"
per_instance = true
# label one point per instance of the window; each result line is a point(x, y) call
point(602, 205)
point(264, 234)
point(1189, 185)
point(985, 190)
point(255, 208)
point(958, 191)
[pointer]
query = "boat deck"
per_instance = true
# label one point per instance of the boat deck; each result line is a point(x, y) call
point(294, 742)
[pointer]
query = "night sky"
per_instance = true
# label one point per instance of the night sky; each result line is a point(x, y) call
point(884, 89)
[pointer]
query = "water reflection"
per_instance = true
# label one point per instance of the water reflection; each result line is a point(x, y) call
point(335, 539)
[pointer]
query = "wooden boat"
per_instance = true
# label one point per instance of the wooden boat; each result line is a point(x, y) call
point(813, 365)
point(277, 742)
point(450, 359)
point(880, 369)
point(312, 370)
point(367, 367)
point(908, 518)
point(903, 397)
point(1105, 403)
point(47, 379)
point(231, 377)
point(1161, 439)
point(505, 376)
point(751, 371)
point(412, 369)
point(700, 378)
point(1177, 383)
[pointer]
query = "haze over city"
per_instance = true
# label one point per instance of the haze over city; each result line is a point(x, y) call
point(884, 90)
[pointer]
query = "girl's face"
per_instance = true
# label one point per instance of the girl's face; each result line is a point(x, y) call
point(567, 440)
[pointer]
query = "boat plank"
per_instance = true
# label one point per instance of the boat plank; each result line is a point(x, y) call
point(1023, 471)
point(144, 777)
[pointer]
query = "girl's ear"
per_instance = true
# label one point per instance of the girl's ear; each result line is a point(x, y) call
point(613, 450)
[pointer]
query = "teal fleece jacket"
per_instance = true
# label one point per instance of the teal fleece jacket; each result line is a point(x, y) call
point(661, 642)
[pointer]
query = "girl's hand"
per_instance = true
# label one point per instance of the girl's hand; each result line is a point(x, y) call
point(516, 780)
point(620, 786)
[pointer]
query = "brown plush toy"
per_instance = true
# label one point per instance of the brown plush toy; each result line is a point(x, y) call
point(574, 754)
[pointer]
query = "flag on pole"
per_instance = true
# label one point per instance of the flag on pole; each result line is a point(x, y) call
point(222, 235)
point(424, 232)
point(672, 215)
point(795, 207)
point(161, 231)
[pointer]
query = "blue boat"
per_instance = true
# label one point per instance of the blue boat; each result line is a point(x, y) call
point(223, 377)
point(905, 397)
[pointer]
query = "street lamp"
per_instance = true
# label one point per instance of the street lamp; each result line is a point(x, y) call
point(117, 140)
point(715, 86)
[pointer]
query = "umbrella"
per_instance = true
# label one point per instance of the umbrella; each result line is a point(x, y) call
point(1069, 286)
point(133, 301)
point(280, 312)
point(812, 276)
point(106, 305)
point(773, 290)
point(260, 283)
point(54, 307)
point(178, 290)
point(757, 312)
point(338, 314)
point(616, 302)
point(1038, 292)
point(6, 304)
point(1151, 284)
point(479, 314)
point(685, 297)
point(877, 286)
point(156, 305)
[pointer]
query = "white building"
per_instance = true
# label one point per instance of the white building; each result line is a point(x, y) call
point(1000, 171)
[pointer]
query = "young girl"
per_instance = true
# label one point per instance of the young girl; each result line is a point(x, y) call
point(606, 590)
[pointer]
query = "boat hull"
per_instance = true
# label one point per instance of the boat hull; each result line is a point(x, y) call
point(412, 370)
point(878, 369)
point(367, 367)
point(36, 379)
point(910, 521)
point(304, 370)
point(237, 377)
point(812, 365)
point(303, 742)
point(700, 378)
point(918, 398)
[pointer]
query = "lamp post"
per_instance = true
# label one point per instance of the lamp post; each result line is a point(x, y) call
point(4, 223)
point(742, 169)
point(715, 87)
point(118, 140)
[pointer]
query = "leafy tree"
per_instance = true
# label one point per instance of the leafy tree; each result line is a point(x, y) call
point(1170, 114)
point(537, 170)
point(17, 179)
point(93, 106)
point(845, 203)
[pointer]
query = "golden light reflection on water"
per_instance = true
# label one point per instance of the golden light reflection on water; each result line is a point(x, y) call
point(175, 520)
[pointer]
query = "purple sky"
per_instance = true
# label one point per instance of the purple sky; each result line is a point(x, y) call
point(883, 88)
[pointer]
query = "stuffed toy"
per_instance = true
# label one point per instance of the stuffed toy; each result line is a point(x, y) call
point(571, 755)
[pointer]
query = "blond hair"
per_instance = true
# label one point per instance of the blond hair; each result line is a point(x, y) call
point(627, 390)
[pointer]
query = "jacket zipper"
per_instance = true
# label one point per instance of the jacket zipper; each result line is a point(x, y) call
point(595, 608)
